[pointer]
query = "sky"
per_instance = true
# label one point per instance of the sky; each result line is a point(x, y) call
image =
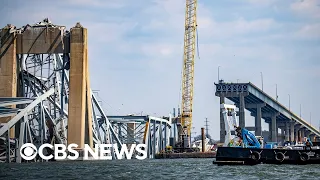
point(136, 51)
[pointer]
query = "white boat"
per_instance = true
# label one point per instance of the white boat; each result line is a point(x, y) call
point(198, 144)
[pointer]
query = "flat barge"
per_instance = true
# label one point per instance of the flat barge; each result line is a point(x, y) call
point(253, 156)
point(185, 155)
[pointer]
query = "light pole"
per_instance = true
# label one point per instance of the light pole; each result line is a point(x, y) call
point(192, 133)
point(261, 80)
point(289, 102)
point(300, 111)
point(218, 74)
point(310, 118)
point(276, 92)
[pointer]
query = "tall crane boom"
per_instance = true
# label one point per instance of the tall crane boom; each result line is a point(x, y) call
point(188, 65)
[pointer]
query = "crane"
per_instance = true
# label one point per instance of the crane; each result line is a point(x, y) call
point(188, 68)
point(248, 139)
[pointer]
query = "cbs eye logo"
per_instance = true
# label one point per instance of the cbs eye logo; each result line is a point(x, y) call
point(28, 151)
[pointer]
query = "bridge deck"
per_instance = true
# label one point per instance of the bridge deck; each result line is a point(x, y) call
point(6, 103)
point(254, 95)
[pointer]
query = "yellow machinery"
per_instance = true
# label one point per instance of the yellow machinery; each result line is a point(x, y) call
point(188, 67)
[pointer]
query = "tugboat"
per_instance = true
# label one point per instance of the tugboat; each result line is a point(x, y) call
point(247, 149)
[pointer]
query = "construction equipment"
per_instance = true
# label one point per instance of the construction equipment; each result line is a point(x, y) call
point(243, 138)
point(248, 149)
point(188, 71)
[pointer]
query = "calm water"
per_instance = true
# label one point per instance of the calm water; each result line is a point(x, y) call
point(154, 169)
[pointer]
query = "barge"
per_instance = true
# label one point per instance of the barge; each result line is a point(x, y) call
point(253, 156)
point(248, 149)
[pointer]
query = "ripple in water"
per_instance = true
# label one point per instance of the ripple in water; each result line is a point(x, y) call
point(154, 169)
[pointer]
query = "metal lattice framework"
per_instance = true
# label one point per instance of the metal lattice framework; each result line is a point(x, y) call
point(188, 64)
point(47, 120)
point(148, 130)
point(41, 115)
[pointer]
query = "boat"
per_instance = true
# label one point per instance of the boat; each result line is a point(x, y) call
point(198, 145)
point(247, 149)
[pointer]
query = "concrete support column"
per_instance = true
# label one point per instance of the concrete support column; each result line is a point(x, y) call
point(302, 133)
point(270, 132)
point(222, 126)
point(307, 133)
point(130, 132)
point(258, 129)
point(8, 69)
point(241, 112)
point(154, 138)
point(88, 117)
point(296, 134)
point(313, 137)
point(78, 98)
point(282, 135)
point(287, 137)
point(292, 132)
point(274, 128)
point(120, 132)
point(160, 137)
point(166, 137)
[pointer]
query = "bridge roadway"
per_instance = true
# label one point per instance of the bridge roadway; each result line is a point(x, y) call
point(262, 106)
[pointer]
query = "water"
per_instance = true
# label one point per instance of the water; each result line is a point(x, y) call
point(154, 169)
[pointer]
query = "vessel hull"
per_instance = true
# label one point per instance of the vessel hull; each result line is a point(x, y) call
point(252, 156)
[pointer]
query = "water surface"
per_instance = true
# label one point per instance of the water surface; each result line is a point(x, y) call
point(154, 169)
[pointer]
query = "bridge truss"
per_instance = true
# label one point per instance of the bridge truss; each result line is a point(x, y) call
point(39, 112)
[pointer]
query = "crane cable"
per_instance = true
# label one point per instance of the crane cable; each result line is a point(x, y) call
point(197, 42)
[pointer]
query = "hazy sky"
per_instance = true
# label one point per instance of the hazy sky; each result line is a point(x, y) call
point(136, 49)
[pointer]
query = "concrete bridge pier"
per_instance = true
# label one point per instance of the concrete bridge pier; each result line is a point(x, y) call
point(258, 128)
point(8, 69)
point(274, 128)
point(307, 133)
point(270, 130)
point(296, 134)
point(292, 137)
point(131, 134)
point(287, 137)
point(272, 125)
point(303, 132)
point(282, 136)
point(258, 117)
point(312, 137)
point(277, 131)
point(299, 134)
point(242, 123)
point(79, 127)
point(222, 126)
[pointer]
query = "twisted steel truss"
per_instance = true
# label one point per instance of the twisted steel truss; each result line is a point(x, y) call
point(41, 115)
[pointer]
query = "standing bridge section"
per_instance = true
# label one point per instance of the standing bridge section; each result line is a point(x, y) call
point(262, 106)
point(46, 96)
